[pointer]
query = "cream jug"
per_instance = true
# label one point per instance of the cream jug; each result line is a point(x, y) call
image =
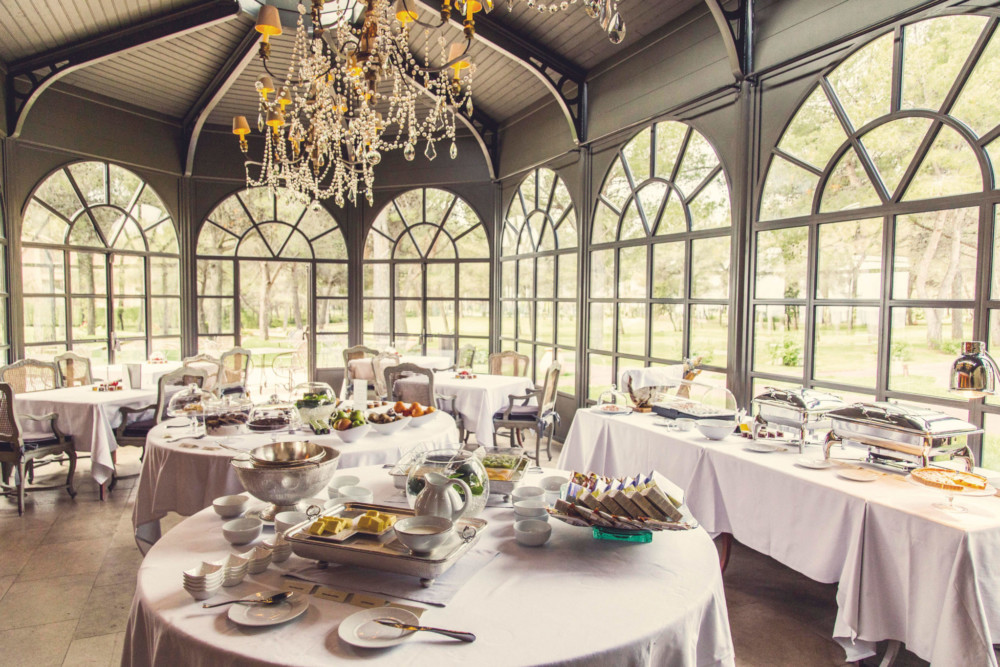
point(439, 498)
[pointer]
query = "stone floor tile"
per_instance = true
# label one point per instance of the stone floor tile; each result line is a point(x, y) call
point(50, 600)
point(106, 610)
point(120, 564)
point(96, 651)
point(65, 558)
point(38, 645)
point(116, 653)
point(5, 583)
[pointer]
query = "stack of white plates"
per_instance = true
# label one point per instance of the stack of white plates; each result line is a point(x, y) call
point(260, 558)
point(234, 567)
point(280, 548)
point(203, 581)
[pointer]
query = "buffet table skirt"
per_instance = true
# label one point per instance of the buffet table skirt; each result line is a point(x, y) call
point(87, 415)
point(574, 601)
point(184, 476)
point(905, 570)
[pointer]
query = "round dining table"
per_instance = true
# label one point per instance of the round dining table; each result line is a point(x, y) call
point(183, 474)
point(573, 601)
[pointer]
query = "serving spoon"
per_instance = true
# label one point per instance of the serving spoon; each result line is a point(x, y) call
point(274, 599)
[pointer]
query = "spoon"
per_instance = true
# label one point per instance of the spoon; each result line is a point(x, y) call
point(273, 599)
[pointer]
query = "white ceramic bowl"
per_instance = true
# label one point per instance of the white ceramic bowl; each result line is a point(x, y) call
point(285, 520)
point(421, 534)
point(553, 483)
point(686, 424)
point(527, 493)
point(242, 531)
point(356, 494)
point(531, 509)
point(202, 593)
point(532, 532)
point(260, 558)
point(716, 429)
point(230, 507)
point(342, 480)
point(280, 549)
point(353, 434)
point(391, 427)
point(423, 420)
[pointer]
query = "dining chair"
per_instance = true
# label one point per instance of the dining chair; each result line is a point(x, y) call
point(234, 368)
point(30, 375)
point(466, 356)
point(354, 353)
point(19, 451)
point(521, 416)
point(211, 365)
point(74, 370)
point(421, 392)
point(509, 363)
point(382, 361)
point(132, 432)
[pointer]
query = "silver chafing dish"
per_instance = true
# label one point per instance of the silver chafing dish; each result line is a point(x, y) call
point(802, 409)
point(901, 436)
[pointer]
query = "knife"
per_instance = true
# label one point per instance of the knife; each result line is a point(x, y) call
point(454, 634)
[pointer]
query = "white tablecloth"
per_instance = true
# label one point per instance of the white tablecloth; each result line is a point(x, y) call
point(89, 416)
point(477, 399)
point(906, 571)
point(575, 601)
point(186, 480)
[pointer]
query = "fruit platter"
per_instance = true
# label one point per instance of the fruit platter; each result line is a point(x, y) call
point(465, 375)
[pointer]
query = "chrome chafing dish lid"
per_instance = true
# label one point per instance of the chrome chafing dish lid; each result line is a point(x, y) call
point(805, 400)
point(907, 418)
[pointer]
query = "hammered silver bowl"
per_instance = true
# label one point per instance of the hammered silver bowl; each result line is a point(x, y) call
point(285, 487)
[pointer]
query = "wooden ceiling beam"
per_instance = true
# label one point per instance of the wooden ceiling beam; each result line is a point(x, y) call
point(29, 77)
point(198, 114)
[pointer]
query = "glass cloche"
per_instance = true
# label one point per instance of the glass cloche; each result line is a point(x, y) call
point(189, 402)
point(227, 415)
point(612, 396)
point(314, 401)
point(274, 415)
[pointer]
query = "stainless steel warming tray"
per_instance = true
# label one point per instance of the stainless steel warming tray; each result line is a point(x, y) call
point(903, 436)
point(802, 409)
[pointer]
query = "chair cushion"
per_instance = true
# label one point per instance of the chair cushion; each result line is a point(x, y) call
point(39, 441)
point(139, 429)
point(521, 412)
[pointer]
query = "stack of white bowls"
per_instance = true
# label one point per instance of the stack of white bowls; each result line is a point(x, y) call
point(533, 508)
point(203, 581)
point(280, 548)
point(234, 567)
point(260, 558)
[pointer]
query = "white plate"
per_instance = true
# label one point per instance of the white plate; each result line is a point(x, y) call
point(617, 410)
point(260, 615)
point(975, 493)
point(813, 464)
point(763, 448)
point(856, 475)
point(360, 628)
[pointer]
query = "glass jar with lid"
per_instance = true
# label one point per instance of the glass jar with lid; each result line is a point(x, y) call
point(612, 396)
point(227, 415)
point(274, 415)
point(190, 403)
point(314, 401)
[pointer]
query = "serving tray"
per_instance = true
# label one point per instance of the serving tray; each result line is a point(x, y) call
point(388, 554)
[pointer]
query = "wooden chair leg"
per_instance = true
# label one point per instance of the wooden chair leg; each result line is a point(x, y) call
point(69, 476)
point(726, 541)
point(21, 484)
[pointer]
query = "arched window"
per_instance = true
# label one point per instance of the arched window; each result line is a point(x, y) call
point(427, 275)
point(660, 256)
point(539, 272)
point(875, 232)
point(270, 267)
point(100, 267)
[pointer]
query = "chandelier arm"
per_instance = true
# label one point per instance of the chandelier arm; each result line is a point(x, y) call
point(441, 68)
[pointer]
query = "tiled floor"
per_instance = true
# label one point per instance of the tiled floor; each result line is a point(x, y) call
point(67, 574)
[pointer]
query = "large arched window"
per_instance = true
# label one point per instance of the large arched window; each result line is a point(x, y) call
point(427, 275)
point(270, 266)
point(99, 267)
point(660, 256)
point(875, 233)
point(538, 292)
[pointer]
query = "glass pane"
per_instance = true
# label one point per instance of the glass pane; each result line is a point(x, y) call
point(567, 324)
point(710, 208)
point(892, 146)
point(632, 273)
point(632, 327)
point(567, 276)
point(669, 136)
point(376, 277)
point(850, 260)
point(949, 168)
point(315, 222)
point(214, 240)
point(602, 326)
point(933, 53)
point(991, 442)
point(330, 246)
point(545, 267)
point(376, 316)
point(602, 274)
point(924, 344)
point(330, 350)
point(4, 338)
point(441, 317)
point(42, 226)
point(600, 372)
point(474, 278)
point(993, 343)
point(409, 317)
point(331, 316)
point(616, 186)
point(89, 178)
point(778, 340)
point(524, 320)
point(863, 82)
point(605, 224)
point(935, 255)
point(124, 186)
point(128, 275)
point(848, 186)
point(545, 322)
point(474, 318)
point(131, 352)
point(163, 238)
point(636, 154)
point(129, 317)
point(409, 280)
point(668, 271)
point(260, 202)
point(213, 345)
point(667, 331)
point(83, 233)
point(508, 319)
point(274, 298)
point(166, 317)
point(165, 275)
point(815, 133)
point(42, 271)
point(90, 318)
point(710, 268)
point(788, 191)
point(331, 280)
point(698, 162)
point(57, 192)
point(976, 105)
point(88, 273)
point(526, 278)
point(709, 335)
point(98, 355)
point(567, 371)
point(215, 277)
point(215, 316)
point(631, 227)
point(846, 348)
point(441, 280)
point(781, 263)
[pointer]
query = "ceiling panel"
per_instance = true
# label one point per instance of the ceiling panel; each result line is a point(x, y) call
point(30, 27)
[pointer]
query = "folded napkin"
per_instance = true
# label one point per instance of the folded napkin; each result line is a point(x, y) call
point(663, 376)
point(363, 580)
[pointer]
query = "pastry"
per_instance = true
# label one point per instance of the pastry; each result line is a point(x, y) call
point(949, 480)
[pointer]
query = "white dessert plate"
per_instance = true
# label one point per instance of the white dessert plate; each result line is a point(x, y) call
point(360, 628)
point(258, 615)
point(763, 448)
point(813, 464)
point(988, 491)
point(856, 475)
point(612, 410)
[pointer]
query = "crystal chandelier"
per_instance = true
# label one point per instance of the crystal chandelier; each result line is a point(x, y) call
point(351, 92)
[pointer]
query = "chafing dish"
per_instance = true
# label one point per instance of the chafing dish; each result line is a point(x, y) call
point(901, 436)
point(802, 409)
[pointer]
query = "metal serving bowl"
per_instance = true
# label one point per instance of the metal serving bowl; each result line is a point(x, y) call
point(287, 453)
point(285, 486)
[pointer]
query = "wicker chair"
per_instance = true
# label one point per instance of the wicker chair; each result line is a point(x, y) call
point(351, 354)
point(509, 363)
point(466, 356)
point(535, 417)
point(421, 392)
point(211, 365)
point(74, 370)
point(30, 375)
point(19, 452)
point(234, 368)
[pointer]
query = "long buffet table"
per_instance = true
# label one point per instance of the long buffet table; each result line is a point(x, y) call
point(906, 571)
point(573, 601)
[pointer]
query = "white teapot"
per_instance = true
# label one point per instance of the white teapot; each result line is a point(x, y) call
point(439, 498)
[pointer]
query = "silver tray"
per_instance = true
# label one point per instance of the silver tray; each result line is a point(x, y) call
point(387, 555)
point(505, 487)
